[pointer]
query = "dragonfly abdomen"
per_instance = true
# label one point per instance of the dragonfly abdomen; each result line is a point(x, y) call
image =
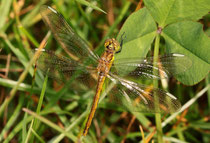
point(94, 104)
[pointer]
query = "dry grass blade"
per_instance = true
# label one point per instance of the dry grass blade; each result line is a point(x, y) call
point(142, 133)
point(23, 75)
point(129, 127)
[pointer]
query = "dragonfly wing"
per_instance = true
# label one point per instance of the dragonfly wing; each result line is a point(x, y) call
point(62, 68)
point(65, 35)
point(138, 98)
point(167, 65)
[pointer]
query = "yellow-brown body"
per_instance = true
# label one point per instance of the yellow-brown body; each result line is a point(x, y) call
point(105, 63)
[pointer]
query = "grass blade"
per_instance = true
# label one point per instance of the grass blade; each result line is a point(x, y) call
point(51, 124)
point(4, 11)
point(84, 2)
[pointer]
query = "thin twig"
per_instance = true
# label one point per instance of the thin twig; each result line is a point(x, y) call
point(139, 5)
point(8, 65)
point(123, 115)
point(129, 127)
point(11, 70)
point(98, 131)
point(142, 133)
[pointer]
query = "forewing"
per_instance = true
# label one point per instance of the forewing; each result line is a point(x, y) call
point(65, 35)
point(167, 65)
point(62, 68)
point(138, 98)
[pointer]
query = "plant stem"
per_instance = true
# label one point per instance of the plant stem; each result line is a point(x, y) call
point(155, 83)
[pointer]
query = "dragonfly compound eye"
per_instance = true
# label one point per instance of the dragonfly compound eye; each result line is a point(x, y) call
point(116, 46)
point(109, 44)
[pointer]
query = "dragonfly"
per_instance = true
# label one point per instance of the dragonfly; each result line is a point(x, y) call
point(82, 61)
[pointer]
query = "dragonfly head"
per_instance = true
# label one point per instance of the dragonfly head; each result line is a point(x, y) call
point(112, 45)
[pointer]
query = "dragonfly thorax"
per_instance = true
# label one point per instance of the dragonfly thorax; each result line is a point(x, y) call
point(112, 45)
point(106, 60)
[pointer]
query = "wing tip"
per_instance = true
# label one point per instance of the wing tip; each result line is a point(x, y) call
point(45, 8)
point(53, 10)
point(171, 95)
point(178, 55)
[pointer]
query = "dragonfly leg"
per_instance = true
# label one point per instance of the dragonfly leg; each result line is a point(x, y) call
point(121, 43)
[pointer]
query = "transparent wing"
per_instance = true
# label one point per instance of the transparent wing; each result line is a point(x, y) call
point(138, 98)
point(62, 68)
point(64, 34)
point(167, 65)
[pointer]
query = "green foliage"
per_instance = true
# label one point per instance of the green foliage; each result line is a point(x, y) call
point(84, 2)
point(169, 11)
point(61, 110)
point(188, 38)
point(4, 11)
point(181, 35)
point(140, 31)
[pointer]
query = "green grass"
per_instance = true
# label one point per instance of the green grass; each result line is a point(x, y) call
point(52, 111)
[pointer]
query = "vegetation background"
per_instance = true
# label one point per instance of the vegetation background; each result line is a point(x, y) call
point(57, 108)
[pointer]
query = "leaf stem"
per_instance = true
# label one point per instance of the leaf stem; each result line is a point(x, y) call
point(155, 83)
